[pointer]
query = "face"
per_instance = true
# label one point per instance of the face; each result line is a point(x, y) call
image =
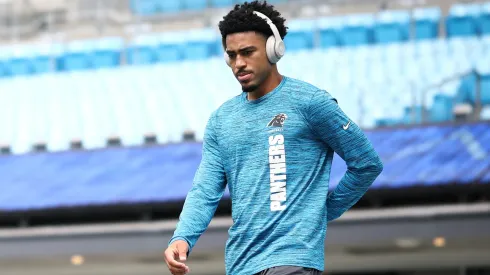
point(248, 59)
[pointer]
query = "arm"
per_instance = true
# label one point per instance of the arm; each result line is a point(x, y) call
point(327, 120)
point(207, 190)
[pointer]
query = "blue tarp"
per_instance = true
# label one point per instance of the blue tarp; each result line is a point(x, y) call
point(422, 156)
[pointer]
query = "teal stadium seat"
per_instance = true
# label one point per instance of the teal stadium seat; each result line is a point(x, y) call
point(142, 50)
point(427, 22)
point(463, 20)
point(169, 6)
point(329, 30)
point(222, 3)
point(107, 52)
point(357, 30)
point(300, 34)
point(144, 7)
point(392, 26)
point(77, 56)
point(485, 19)
point(194, 5)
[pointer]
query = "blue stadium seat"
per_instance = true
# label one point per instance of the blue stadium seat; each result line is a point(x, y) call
point(4, 56)
point(77, 56)
point(42, 60)
point(357, 30)
point(107, 52)
point(329, 29)
point(18, 61)
point(300, 35)
point(483, 68)
point(466, 90)
point(392, 26)
point(222, 3)
point(195, 4)
point(199, 44)
point(442, 108)
point(485, 19)
point(427, 22)
point(170, 47)
point(463, 20)
point(144, 7)
point(414, 114)
point(169, 6)
point(143, 50)
point(26, 59)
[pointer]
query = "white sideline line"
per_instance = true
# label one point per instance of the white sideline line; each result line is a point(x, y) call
point(225, 222)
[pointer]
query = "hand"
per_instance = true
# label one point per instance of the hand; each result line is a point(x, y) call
point(177, 251)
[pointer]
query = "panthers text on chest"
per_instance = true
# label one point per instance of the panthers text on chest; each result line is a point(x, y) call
point(277, 165)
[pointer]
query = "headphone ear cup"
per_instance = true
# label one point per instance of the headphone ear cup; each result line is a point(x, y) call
point(270, 49)
point(227, 59)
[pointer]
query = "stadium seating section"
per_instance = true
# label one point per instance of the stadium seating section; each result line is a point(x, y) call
point(382, 71)
point(426, 156)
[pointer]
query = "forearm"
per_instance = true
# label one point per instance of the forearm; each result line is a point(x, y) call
point(199, 208)
point(206, 192)
point(347, 139)
point(352, 187)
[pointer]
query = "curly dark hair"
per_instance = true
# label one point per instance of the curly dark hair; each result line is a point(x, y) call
point(242, 19)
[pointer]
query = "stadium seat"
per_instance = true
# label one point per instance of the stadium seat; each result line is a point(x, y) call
point(199, 44)
point(222, 3)
point(462, 20)
point(485, 19)
point(392, 26)
point(442, 108)
point(357, 30)
point(194, 4)
point(427, 22)
point(329, 29)
point(26, 59)
point(169, 46)
point(169, 6)
point(414, 114)
point(107, 52)
point(144, 7)
point(18, 63)
point(483, 68)
point(142, 50)
point(300, 35)
point(77, 56)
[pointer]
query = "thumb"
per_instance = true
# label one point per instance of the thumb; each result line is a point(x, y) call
point(182, 249)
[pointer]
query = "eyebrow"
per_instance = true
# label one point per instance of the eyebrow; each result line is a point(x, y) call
point(243, 49)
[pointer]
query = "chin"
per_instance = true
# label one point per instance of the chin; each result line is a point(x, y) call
point(249, 87)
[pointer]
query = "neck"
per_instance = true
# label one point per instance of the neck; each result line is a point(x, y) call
point(269, 84)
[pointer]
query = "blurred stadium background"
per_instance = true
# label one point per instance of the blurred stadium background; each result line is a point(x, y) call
point(103, 105)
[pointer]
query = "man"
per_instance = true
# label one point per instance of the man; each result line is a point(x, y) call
point(273, 146)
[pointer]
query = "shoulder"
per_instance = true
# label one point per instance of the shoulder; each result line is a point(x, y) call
point(303, 94)
point(224, 110)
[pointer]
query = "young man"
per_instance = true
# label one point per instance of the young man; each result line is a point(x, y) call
point(273, 146)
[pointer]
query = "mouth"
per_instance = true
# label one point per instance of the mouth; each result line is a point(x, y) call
point(244, 76)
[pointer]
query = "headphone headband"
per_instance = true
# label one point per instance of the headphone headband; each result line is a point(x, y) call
point(271, 25)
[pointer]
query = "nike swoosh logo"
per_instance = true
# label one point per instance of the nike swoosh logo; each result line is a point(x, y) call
point(346, 126)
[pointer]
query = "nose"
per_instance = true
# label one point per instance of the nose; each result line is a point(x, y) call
point(240, 63)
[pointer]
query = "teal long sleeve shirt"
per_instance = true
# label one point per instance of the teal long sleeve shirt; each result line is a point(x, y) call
point(275, 155)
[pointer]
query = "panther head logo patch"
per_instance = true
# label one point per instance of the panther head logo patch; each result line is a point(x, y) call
point(278, 120)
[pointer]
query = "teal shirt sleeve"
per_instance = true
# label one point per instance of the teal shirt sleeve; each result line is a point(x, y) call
point(207, 190)
point(327, 121)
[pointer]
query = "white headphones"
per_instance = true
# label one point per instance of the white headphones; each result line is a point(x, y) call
point(274, 46)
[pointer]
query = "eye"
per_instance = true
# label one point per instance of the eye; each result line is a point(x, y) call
point(246, 53)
